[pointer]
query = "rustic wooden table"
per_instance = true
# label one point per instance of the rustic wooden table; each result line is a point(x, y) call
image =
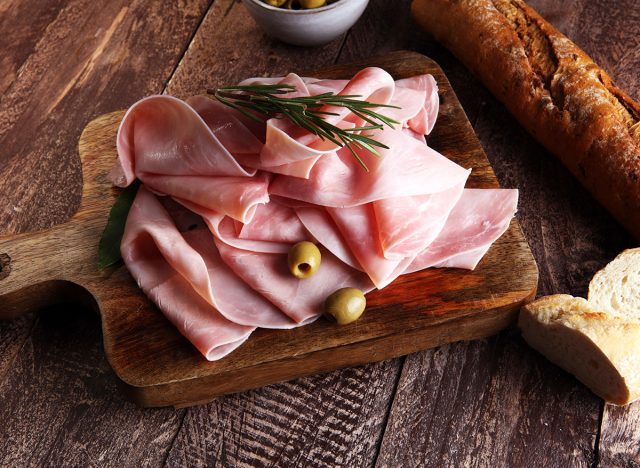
point(486, 403)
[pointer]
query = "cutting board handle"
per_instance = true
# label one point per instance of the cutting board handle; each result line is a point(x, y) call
point(60, 264)
point(35, 270)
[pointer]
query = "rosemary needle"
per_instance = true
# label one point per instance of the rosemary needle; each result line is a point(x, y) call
point(260, 102)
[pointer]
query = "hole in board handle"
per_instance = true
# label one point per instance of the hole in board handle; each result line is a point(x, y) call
point(5, 265)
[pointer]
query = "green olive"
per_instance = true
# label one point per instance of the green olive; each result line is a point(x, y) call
point(304, 259)
point(312, 3)
point(346, 305)
point(276, 3)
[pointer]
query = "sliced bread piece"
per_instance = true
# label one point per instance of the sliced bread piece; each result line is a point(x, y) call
point(602, 351)
point(616, 288)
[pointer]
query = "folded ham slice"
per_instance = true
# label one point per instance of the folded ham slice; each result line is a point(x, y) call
point(475, 223)
point(155, 252)
point(164, 135)
point(224, 198)
point(411, 169)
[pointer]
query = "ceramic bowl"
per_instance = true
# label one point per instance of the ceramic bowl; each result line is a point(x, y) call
point(312, 27)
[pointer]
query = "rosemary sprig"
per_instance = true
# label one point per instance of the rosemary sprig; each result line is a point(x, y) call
point(260, 102)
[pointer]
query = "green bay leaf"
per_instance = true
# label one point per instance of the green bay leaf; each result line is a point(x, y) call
point(109, 247)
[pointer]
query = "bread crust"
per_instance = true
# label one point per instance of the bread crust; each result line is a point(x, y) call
point(554, 89)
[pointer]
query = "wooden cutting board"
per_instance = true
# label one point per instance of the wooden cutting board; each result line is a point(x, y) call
point(156, 366)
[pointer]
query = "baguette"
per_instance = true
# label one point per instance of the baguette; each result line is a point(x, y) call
point(601, 350)
point(554, 89)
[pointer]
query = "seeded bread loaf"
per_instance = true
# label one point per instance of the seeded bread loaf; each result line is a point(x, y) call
point(601, 350)
point(553, 88)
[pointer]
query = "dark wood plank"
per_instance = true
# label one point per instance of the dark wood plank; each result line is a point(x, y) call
point(611, 38)
point(22, 24)
point(619, 436)
point(61, 406)
point(571, 237)
point(230, 47)
point(58, 92)
point(13, 334)
point(326, 420)
point(62, 63)
point(455, 405)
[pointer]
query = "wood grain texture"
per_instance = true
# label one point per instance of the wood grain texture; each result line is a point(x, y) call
point(230, 47)
point(65, 82)
point(488, 403)
point(417, 311)
point(53, 417)
point(67, 344)
point(569, 246)
point(619, 437)
point(17, 41)
point(325, 420)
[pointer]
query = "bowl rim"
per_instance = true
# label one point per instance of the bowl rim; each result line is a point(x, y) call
point(309, 11)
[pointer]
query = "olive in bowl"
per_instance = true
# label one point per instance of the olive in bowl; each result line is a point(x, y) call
point(306, 26)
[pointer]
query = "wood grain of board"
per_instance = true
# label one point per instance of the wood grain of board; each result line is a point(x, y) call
point(418, 311)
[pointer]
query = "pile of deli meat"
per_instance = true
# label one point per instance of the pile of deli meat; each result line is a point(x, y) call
point(223, 199)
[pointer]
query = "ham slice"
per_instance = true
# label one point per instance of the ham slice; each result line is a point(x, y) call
point(358, 226)
point(237, 133)
point(274, 222)
point(237, 197)
point(148, 237)
point(224, 199)
point(302, 300)
point(407, 225)
point(423, 121)
point(320, 225)
point(164, 135)
point(477, 221)
point(411, 169)
point(164, 260)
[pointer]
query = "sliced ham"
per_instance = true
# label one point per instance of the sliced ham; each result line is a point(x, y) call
point(164, 135)
point(423, 121)
point(149, 239)
point(407, 225)
point(165, 261)
point(237, 133)
point(411, 169)
point(301, 300)
point(224, 199)
point(320, 225)
point(477, 221)
point(274, 222)
point(358, 227)
point(229, 294)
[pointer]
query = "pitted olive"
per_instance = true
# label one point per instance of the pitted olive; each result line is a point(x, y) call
point(304, 259)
